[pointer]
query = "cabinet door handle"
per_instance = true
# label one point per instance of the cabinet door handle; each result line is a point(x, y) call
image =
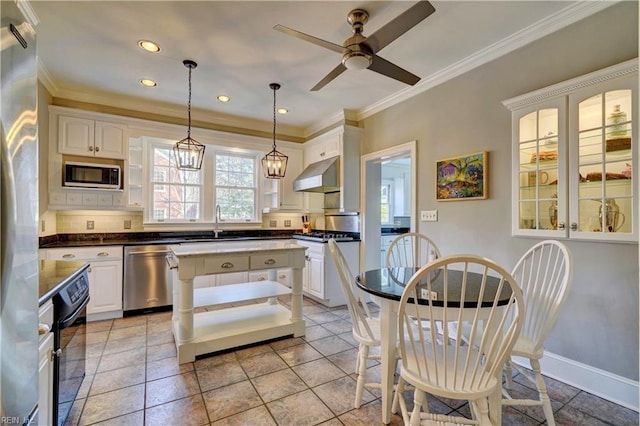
point(91, 148)
point(97, 148)
point(269, 261)
point(561, 225)
point(43, 329)
point(68, 256)
point(227, 265)
point(103, 253)
point(574, 226)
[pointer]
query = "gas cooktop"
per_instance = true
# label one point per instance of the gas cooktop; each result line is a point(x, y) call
point(323, 236)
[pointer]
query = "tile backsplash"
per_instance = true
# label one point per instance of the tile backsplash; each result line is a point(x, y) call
point(80, 221)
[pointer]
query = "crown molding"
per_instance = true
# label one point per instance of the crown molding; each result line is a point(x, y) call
point(45, 78)
point(551, 24)
point(171, 110)
point(624, 69)
point(28, 12)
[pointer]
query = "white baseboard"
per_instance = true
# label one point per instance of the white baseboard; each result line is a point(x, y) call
point(604, 384)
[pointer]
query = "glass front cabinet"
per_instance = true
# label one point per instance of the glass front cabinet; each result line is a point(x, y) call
point(575, 155)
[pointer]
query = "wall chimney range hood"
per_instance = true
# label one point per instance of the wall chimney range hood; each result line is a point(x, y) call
point(319, 177)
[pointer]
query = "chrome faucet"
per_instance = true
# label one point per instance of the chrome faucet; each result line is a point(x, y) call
point(217, 230)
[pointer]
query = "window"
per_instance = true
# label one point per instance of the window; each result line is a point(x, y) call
point(236, 186)
point(176, 194)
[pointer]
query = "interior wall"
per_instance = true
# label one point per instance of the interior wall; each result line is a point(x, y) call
point(599, 323)
point(46, 219)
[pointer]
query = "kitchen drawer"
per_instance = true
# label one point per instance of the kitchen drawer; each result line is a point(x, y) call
point(85, 253)
point(228, 264)
point(269, 261)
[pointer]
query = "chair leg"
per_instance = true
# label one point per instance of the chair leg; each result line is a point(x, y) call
point(542, 390)
point(397, 394)
point(481, 411)
point(363, 354)
point(509, 373)
point(419, 399)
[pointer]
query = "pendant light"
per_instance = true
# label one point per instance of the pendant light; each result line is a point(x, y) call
point(274, 164)
point(189, 152)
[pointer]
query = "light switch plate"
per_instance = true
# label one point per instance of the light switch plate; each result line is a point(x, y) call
point(127, 224)
point(429, 215)
point(273, 223)
point(287, 223)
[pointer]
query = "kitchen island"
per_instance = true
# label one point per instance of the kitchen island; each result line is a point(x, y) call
point(228, 327)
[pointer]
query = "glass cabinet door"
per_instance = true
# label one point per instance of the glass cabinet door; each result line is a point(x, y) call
point(603, 202)
point(540, 155)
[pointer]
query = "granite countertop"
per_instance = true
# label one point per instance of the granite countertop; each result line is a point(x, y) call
point(140, 238)
point(55, 274)
point(231, 247)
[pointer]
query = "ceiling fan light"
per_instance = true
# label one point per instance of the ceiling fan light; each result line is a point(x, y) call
point(357, 61)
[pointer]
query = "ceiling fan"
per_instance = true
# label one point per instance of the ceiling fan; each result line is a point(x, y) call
point(360, 52)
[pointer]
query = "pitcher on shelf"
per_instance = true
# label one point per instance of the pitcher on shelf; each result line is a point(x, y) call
point(612, 215)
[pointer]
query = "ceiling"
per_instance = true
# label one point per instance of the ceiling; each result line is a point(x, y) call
point(88, 52)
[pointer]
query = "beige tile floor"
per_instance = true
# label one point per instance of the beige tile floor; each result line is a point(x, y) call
point(133, 379)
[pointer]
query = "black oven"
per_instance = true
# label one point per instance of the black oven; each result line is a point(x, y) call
point(70, 341)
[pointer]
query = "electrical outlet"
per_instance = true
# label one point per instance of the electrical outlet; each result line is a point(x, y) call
point(429, 215)
point(90, 224)
point(127, 224)
point(425, 294)
point(273, 223)
point(287, 223)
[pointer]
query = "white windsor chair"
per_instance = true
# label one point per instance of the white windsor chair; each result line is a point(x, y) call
point(365, 327)
point(473, 291)
point(545, 274)
point(411, 249)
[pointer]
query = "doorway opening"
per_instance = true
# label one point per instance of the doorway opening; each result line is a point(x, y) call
point(388, 199)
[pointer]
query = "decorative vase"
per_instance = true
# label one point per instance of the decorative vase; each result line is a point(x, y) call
point(616, 120)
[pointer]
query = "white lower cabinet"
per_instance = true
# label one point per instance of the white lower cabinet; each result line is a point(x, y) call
point(320, 279)
point(45, 365)
point(105, 277)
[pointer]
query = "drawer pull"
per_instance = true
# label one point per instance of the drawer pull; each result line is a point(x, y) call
point(103, 254)
point(43, 329)
point(227, 265)
point(282, 276)
point(68, 256)
point(269, 261)
point(262, 279)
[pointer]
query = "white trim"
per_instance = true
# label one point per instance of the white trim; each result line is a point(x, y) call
point(563, 18)
point(28, 12)
point(564, 88)
point(614, 388)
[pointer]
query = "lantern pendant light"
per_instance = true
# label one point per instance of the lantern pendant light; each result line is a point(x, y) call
point(274, 164)
point(188, 152)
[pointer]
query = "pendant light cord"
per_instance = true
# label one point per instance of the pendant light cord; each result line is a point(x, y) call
point(274, 117)
point(189, 107)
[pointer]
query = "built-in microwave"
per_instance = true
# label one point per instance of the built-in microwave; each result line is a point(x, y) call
point(91, 175)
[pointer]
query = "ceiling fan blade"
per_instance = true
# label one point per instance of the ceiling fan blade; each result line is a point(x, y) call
point(311, 39)
point(333, 74)
point(399, 25)
point(384, 67)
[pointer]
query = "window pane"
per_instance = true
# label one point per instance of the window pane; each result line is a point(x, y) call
point(176, 193)
point(236, 187)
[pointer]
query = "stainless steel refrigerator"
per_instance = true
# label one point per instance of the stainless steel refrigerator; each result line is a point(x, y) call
point(19, 217)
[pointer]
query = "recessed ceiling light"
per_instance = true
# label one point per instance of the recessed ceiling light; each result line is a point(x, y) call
point(149, 46)
point(224, 98)
point(282, 111)
point(148, 82)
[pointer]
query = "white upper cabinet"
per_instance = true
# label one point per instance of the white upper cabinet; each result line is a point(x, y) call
point(344, 142)
point(91, 138)
point(575, 158)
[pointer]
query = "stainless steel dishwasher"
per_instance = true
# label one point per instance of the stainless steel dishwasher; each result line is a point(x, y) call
point(148, 281)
